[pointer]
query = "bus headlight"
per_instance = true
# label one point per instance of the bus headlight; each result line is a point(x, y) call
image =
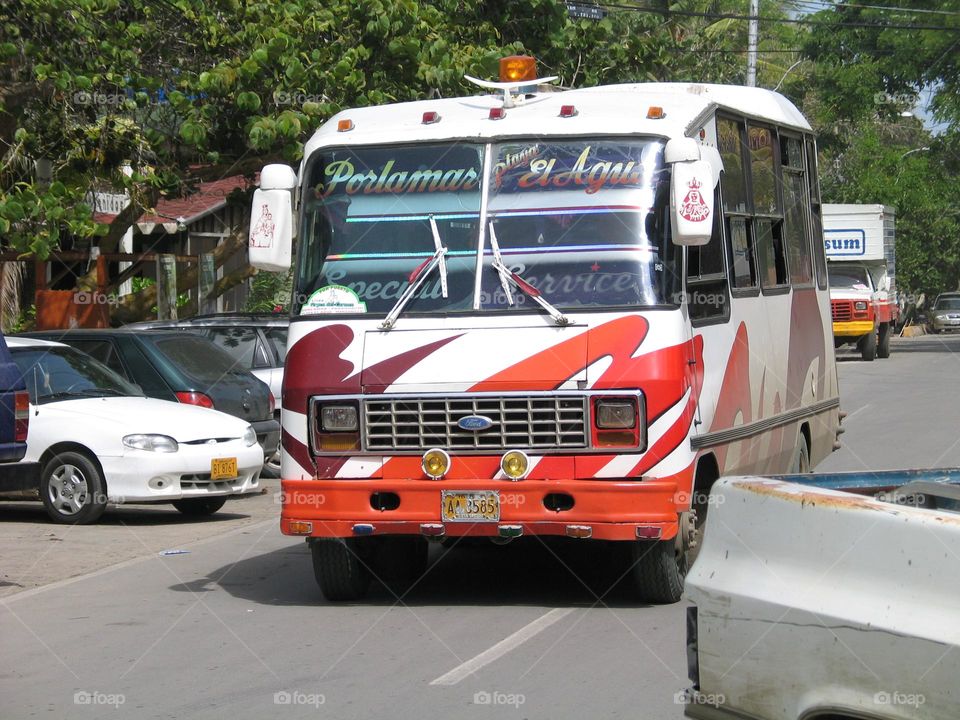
point(619, 422)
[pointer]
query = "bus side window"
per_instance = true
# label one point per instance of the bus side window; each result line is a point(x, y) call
point(708, 294)
point(816, 220)
point(795, 218)
point(768, 226)
point(743, 259)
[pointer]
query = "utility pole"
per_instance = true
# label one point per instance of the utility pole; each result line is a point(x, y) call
point(754, 30)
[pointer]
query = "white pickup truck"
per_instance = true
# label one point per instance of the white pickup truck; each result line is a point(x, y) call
point(828, 597)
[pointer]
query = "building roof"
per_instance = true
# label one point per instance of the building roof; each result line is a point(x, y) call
point(170, 212)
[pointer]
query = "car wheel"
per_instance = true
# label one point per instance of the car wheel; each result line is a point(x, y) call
point(73, 489)
point(660, 566)
point(271, 467)
point(341, 567)
point(198, 507)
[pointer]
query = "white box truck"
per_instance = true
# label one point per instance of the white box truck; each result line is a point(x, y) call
point(860, 244)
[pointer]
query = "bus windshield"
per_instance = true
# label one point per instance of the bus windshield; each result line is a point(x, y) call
point(585, 222)
point(850, 276)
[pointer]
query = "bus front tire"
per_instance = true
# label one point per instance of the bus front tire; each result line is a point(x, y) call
point(868, 346)
point(883, 343)
point(660, 566)
point(341, 568)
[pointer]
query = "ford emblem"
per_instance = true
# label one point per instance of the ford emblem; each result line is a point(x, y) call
point(475, 423)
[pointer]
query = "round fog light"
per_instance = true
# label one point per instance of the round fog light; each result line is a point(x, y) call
point(515, 465)
point(435, 463)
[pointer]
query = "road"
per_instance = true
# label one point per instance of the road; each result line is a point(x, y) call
point(236, 627)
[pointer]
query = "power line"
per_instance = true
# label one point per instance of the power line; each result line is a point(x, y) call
point(818, 4)
point(767, 18)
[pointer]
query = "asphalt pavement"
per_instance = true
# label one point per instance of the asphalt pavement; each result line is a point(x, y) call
point(100, 623)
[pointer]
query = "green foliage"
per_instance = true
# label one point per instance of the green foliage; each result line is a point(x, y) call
point(269, 291)
point(170, 87)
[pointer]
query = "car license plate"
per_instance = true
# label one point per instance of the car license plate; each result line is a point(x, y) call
point(470, 506)
point(221, 468)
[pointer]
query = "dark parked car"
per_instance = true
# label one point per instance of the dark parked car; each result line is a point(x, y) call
point(16, 476)
point(258, 342)
point(181, 367)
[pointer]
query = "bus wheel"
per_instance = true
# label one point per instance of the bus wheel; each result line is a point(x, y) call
point(883, 344)
point(868, 346)
point(801, 458)
point(659, 566)
point(341, 567)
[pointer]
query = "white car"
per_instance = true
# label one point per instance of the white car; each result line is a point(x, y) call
point(99, 441)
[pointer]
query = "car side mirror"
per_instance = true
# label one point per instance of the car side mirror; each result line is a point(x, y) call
point(271, 219)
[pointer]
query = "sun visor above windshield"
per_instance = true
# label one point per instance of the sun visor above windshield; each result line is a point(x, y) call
point(494, 359)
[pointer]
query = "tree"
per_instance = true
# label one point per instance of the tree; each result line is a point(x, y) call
point(149, 97)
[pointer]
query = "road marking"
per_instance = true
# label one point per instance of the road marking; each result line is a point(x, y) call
point(125, 564)
point(503, 647)
point(850, 415)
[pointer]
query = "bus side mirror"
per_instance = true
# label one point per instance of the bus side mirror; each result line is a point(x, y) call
point(691, 189)
point(271, 219)
point(691, 202)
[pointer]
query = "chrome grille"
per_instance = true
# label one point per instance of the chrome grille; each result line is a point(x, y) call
point(540, 422)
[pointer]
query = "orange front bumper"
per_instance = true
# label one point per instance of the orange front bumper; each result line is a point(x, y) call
point(613, 509)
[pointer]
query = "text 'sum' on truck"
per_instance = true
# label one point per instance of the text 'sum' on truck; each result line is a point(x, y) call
point(542, 312)
point(860, 245)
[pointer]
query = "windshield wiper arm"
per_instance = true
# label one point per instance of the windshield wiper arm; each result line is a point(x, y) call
point(419, 276)
point(508, 277)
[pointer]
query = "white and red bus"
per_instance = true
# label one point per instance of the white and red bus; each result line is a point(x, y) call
point(549, 313)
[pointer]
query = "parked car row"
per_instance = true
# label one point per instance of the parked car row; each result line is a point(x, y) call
point(96, 417)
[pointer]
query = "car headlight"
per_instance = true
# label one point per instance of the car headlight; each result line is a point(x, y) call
point(153, 443)
point(860, 305)
point(249, 436)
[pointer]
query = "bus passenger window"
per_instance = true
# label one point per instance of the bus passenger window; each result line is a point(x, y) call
point(708, 296)
point(769, 242)
point(741, 251)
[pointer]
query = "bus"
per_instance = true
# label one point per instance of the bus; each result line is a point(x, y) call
point(544, 312)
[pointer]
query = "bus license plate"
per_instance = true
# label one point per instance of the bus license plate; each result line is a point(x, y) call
point(221, 468)
point(470, 506)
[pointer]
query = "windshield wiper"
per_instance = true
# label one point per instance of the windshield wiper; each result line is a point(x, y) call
point(84, 393)
point(419, 276)
point(508, 277)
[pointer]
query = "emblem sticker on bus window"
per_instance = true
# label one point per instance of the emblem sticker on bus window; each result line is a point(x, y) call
point(333, 299)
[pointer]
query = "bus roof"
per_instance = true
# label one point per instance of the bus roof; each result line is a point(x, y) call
point(604, 110)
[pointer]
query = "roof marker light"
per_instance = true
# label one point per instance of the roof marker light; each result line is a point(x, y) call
point(430, 117)
point(655, 112)
point(345, 125)
point(568, 111)
point(497, 113)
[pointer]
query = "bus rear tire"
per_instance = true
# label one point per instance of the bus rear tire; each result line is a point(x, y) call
point(341, 568)
point(868, 346)
point(660, 566)
point(883, 343)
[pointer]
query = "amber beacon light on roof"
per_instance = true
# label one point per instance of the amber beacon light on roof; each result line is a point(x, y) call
point(518, 74)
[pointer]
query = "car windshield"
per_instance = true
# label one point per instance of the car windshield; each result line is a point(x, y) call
point(61, 373)
point(583, 221)
point(948, 303)
point(849, 277)
point(197, 357)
